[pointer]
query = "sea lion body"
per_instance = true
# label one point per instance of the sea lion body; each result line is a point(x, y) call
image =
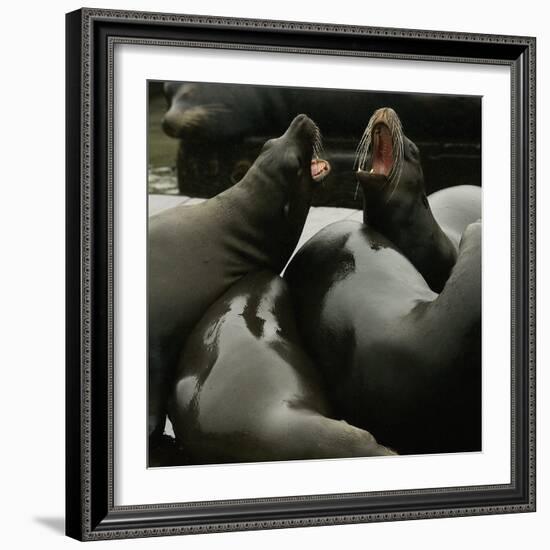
point(400, 360)
point(246, 391)
point(222, 112)
point(454, 208)
point(196, 253)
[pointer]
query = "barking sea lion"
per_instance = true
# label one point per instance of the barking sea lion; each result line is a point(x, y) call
point(401, 360)
point(395, 202)
point(195, 253)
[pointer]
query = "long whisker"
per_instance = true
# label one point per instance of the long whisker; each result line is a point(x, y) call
point(364, 148)
point(317, 149)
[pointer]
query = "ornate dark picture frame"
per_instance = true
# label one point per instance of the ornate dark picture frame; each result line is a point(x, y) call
point(90, 510)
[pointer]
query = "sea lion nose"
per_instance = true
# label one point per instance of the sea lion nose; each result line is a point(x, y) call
point(301, 123)
point(168, 126)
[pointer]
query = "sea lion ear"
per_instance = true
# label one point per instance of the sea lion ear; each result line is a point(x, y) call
point(320, 169)
point(414, 152)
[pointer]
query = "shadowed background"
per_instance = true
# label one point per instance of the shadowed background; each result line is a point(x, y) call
point(446, 128)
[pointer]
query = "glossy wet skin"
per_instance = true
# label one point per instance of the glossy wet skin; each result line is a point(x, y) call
point(399, 358)
point(455, 208)
point(246, 390)
point(196, 253)
point(395, 202)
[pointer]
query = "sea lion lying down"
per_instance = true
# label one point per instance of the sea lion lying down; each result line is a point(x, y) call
point(400, 360)
point(246, 391)
point(197, 252)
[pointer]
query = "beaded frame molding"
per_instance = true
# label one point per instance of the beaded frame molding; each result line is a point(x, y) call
point(90, 39)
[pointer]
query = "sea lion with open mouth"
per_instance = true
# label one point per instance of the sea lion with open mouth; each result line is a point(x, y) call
point(246, 391)
point(195, 253)
point(401, 360)
point(427, 230)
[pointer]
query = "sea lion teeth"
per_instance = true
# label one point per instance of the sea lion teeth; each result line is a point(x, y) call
point(320, 168)
point(383, 147)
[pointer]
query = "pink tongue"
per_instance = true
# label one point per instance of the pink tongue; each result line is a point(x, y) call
point(319, 167)
point(382, 161)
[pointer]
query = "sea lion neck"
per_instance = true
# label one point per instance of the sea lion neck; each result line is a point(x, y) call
point(258, 195)
point(275, 211)
point(400, 211)
point(395, 203)
point(275, 194)
point(411, 226)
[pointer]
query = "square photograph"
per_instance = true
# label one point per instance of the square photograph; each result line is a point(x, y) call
point(313, 273)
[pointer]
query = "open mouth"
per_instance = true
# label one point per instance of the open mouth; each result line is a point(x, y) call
point(319, 169)
point(309, 131)
point(382, 150)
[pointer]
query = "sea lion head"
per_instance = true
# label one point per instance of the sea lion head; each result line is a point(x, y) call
point(394, 198)
point(282, 181)
point(209, 112)
point(293, 159)
point(389, 172)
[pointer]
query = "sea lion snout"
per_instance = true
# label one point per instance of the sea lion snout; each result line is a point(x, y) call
point(303, 145)
point(302, 125)
point(169, 125)
point(182, 119)
point(384, 115)
point(170, 121)
point(388, 162)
